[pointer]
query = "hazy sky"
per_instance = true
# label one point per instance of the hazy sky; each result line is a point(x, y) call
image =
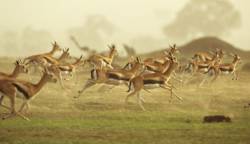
point(133, 17)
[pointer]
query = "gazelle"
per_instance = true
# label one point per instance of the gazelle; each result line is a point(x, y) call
point(203, 66)
point(113, 76)
point(39, 60)
point(22, 89)
point(100, 61)
point(158, 67)
point(204, 56)
point(57, 61)
point(68, 69)
point(226, 68)
point(162, 59)
point(20, 67)
point(152, 79)
point(130, 63)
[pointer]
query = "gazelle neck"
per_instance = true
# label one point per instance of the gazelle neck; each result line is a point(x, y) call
point(77, 63)
point(112, 54)
point(62, 57)
point(135, 68)
point(235, 61)
point(171, 68)
point(15, 72)
point(41, 83)
point(52, 52)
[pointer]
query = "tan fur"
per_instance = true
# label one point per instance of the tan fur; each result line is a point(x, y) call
point(20, 67)
point(10, 88)
point(100, 61)
point(138, 83)
point(121, 75)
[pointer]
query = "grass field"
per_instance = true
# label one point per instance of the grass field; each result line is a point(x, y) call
point(100, 115)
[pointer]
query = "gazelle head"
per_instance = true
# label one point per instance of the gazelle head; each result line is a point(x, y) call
point(172, 50)
point(220, 52)
point(56, 47)
point(21, 67)
point(113, 50)
point(236, 57)
point(65, 53)
point(48, 75)
point(139, 64)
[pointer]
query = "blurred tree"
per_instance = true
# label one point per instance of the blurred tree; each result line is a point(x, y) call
point(93, 32)
point(203, 17)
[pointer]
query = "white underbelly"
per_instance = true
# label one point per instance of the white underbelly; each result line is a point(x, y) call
point(20, 95)
point(203, 70)
point(225, 72)
point(151, 86)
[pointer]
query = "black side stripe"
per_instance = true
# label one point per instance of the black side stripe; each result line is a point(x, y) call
point(225, 69)
point(20, 89)
point(153, 82)
point(106, 61)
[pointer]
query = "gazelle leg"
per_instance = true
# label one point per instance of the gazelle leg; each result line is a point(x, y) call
point(27, 107)
point(1, 101)
point(139, 101)
point(170, 88)
point(61, 80)
point(25, 103)
point(235, 75)
point(216, 74)
point(142, 99)
point(88, 84)
point(13, 111)
point(180, 98)
point(203, 81)
point(129, 95)
point(22, 106)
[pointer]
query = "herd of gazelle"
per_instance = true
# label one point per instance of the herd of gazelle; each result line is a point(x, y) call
point(137, 75)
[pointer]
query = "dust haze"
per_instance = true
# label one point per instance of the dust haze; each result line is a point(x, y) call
point(30, 26)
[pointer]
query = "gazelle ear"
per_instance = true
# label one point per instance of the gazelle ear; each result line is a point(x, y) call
point(16, 62)
point(80, 58)
point(174, 46)
point(112, 46)
point(138, 59)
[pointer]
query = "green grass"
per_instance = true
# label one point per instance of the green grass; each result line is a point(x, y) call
point(123, 127)
point(101, 117)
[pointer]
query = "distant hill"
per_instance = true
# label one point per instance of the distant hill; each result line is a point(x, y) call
point(211, 43)
point(205, 44)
